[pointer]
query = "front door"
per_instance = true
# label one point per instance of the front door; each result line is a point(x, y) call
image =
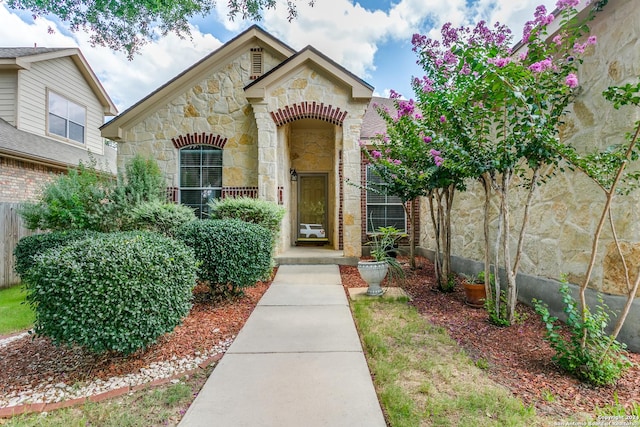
point(312, 208)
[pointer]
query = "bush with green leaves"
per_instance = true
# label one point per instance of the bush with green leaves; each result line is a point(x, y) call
point(89, 199)
point(112, 292)
point(30, 246)
point(232, 254)
point(589, 353)
point(77, 200)
point(160, 217)
point(257, 211)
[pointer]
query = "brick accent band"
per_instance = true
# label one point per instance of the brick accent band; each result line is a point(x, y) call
point(308, 110)
point(199, 139)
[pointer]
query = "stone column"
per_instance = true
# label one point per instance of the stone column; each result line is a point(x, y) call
point(351, 208)
point(267, 153)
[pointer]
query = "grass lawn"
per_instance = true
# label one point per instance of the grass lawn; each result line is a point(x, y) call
point(14, 315)
point(160, 406)
point(423, 378)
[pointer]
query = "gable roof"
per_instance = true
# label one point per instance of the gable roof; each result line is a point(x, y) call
point(18, 52)
point(359, 88)
point(113, 129)
point(21, 58)
point(26, 146)
point(372, 122)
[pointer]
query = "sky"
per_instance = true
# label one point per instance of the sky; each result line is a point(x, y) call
point(370, 38)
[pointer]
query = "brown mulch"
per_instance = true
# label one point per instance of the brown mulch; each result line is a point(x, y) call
point(517, 356)
point(29, 361)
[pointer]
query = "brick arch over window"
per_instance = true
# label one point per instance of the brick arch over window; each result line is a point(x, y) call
point(199, 139)
point(308, 110)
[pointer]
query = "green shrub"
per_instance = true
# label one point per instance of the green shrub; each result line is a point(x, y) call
point(257, 211)
point(77, 200)
point(89, 199)
point(30, 246)
point(160, 217)
point(601, 360)
point(113, 292)
point(232, 254)
point(142, 181)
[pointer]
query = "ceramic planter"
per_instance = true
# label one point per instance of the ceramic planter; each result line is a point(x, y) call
point(373, 272)
point(475, 294)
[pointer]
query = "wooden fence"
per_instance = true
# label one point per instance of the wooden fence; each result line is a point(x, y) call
point(11, 230)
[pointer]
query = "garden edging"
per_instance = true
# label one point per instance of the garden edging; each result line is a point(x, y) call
point(27, 408)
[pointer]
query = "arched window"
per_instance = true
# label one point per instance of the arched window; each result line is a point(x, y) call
point(200, 177)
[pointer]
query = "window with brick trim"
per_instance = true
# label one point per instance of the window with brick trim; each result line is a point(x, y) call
point(383, 210)
point(200, 177)
point(65, 118)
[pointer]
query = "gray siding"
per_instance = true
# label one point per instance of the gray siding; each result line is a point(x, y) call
point(63, 77)
point(8, 94)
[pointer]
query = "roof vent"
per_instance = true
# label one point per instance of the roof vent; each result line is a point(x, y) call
point(257, 63)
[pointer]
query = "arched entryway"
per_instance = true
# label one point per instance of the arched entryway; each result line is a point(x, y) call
point(314, 196)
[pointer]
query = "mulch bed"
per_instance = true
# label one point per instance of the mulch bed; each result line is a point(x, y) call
point(517, 356)
point(27, 362)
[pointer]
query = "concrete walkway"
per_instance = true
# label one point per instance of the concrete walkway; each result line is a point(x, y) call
point(296, 362)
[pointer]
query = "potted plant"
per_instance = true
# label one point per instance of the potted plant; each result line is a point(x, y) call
point(383, 251)
point(474, 291)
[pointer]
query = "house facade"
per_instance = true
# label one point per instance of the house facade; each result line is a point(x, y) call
point(256, 118)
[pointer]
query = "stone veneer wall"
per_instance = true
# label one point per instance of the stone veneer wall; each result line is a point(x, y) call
point(215, 105)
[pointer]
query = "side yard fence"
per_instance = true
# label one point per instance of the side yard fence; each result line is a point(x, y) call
point(11, 231)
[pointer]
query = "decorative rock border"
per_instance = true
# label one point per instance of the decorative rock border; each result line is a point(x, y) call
point(25, 407)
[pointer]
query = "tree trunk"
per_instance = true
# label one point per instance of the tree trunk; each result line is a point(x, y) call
point(486, 183)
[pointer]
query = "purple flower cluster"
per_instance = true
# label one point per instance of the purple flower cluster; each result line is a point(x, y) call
point(540, 66)
point(580, 47)
point(406, 108)
point(571, 80)
point(565, 4)
point(499, 62)
point(437, 159)
point(541, 19)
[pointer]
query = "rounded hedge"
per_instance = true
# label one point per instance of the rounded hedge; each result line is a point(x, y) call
point(160, 217)
point(258, 211)
point(111, 292)
point(30, 246)
point(231, 253)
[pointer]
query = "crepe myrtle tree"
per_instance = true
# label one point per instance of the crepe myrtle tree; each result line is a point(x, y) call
point(127, 25)
point(508, 107)
point(411, 163)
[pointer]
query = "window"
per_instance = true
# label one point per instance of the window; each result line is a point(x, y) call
point(257, 66)
point(200, 177)
point(66, 118)
point(383, 210)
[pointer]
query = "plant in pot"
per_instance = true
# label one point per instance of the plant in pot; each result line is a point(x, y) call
point(474, 291)
point(383, 251)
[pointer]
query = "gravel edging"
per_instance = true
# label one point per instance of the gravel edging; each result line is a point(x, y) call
point(48, 397)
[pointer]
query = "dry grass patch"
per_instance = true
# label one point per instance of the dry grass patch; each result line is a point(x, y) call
point(422, 376)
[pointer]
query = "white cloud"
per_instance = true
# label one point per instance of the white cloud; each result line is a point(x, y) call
point(343, 30)
point(125, 81)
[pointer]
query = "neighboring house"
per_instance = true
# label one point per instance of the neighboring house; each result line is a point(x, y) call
point(51, 108)
point(257, 118)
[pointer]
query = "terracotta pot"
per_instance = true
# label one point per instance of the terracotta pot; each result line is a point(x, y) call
point(475, 294)
point(373, 272)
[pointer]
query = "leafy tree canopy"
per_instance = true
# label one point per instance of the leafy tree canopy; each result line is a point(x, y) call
point(128, 24)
